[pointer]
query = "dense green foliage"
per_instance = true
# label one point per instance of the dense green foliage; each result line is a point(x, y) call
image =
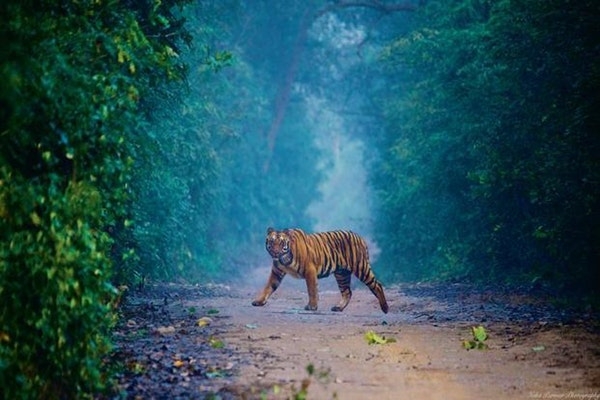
point(490, 164)
point(205, 184)
point(72, 75)
point(172, 184)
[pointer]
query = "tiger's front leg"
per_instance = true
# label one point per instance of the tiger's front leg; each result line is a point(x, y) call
point(272, 284)
point(310, 276)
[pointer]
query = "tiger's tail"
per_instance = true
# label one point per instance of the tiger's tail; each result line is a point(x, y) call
point(377, 290)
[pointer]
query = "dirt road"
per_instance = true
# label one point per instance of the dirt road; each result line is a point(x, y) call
point(209, 342)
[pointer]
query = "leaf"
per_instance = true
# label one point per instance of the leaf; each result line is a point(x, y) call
point(35, 219)
point(469, 344)
point(479, 333)
point(136, 367)
point(251, 326)
point(121, 56)
point(178, 363)
point(538, 348)
point(310, 369)
point(473, 344)
point(212, 311)
point(216, 343)
point(204, 321)
point(373, 338)
point(479, 337)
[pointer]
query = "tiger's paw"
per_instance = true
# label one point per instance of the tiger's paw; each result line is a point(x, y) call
point(337, 308)
point(310, 308)
point(258, 303)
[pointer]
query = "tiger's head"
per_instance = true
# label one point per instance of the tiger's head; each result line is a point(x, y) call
point(278, 245)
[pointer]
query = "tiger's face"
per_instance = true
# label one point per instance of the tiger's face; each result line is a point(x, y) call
point(278, 246)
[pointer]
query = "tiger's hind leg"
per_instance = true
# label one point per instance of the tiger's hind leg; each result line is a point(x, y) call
point(343, 277)
point(367, 276)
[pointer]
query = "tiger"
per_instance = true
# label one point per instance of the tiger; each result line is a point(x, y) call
point(317, 255)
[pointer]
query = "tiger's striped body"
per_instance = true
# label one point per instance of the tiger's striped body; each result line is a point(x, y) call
point(315, 256)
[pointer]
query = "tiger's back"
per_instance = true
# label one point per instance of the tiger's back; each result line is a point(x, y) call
point(317, 255)
point(335, 250)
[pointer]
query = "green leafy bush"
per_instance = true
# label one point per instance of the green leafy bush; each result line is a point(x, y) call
point(72, 77)
point(54, 291)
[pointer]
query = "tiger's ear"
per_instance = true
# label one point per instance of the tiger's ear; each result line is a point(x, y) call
point(289, 233)
point(269, 230)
